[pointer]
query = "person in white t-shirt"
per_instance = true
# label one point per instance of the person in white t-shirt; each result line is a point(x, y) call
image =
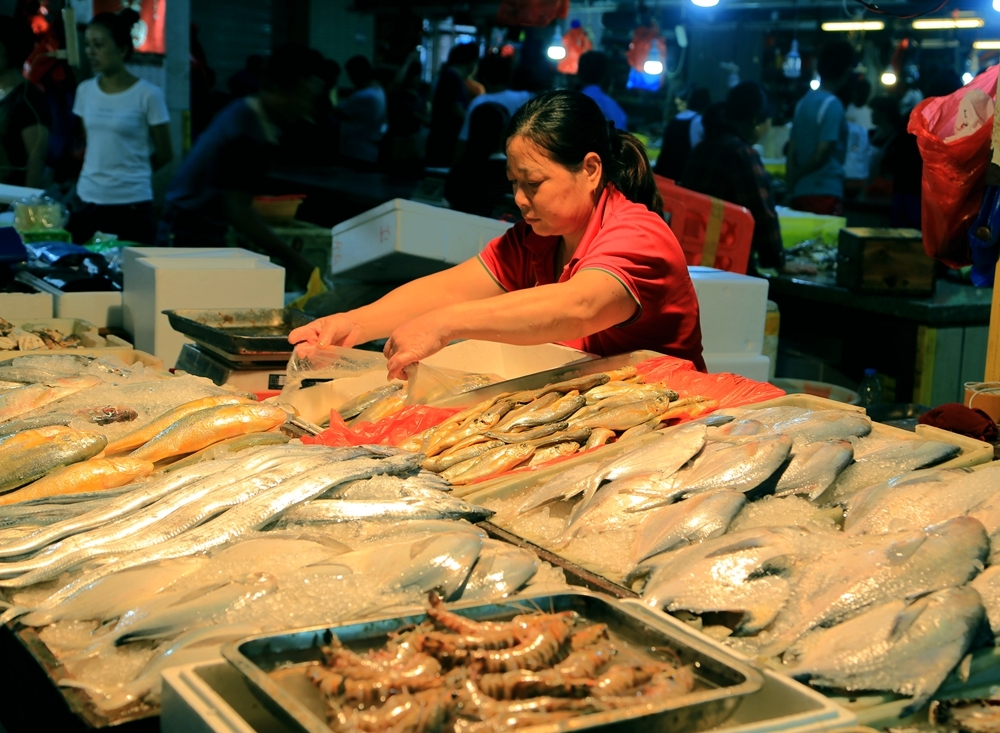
point(128, 137)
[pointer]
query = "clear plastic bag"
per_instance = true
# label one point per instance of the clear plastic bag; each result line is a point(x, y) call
point(311, 365)
point(427, 385)
point(38, 213)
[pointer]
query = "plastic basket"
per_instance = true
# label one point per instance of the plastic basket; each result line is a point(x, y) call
point(712, 232)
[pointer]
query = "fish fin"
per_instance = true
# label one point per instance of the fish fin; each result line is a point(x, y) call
point(746, 544)
point(901, 551)
point(905, 619)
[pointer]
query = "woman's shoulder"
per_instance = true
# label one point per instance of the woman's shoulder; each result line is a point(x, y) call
point(622, 215)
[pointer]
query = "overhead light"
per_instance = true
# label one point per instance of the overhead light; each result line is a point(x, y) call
point(888, 77)
point(996, 5)
point(792, 66)
point(855, 25)
point(705, 3)
point(556, 52)
point(653, 68)
point(814, 84)
point(986, 45)
point(966, 78)
point(941, 24)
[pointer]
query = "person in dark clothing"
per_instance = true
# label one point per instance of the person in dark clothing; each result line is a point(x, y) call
point(24, 112)
point(477, 183)
point(405, 140)
point(682, 134)
point(899, 162)
point(726, 166)
point(449, 104)
point(215, 185)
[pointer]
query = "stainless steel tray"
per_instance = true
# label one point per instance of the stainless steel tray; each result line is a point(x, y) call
point(722, 679)
point(240, 331)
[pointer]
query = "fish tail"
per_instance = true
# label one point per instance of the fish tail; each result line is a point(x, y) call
point(14, 612)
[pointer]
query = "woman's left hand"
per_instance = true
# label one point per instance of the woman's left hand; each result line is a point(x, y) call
point(413, 341)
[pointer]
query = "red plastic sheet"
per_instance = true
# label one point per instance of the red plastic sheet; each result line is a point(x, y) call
point(391, 430)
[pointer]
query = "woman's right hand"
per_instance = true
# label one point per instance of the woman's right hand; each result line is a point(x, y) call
point(340, 329)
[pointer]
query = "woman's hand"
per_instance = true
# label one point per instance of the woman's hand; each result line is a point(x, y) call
point(414, 341)
point(340, 329)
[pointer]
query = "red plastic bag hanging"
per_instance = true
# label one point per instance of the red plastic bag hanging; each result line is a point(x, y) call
point(642, 43)
point(531, 13)
point(954, 176)
point(576, 42)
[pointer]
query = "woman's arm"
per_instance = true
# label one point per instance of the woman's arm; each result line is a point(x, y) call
point(36, 142)
point(164, 152)
point(468, 281)
point(590, 301)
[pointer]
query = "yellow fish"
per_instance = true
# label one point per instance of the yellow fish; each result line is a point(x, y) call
point(205, 427)
point(31, 454)
point(144, 434)
point(96, 474)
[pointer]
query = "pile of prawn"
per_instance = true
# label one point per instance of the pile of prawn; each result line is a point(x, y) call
point(453, 673)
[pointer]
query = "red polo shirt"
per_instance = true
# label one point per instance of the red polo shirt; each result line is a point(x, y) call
point(633, 245)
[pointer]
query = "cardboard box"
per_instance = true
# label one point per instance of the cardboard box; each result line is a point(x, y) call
point(24, 306)
point(156, 284)
point(733, 311)
point(884, 262)
point(403, 240)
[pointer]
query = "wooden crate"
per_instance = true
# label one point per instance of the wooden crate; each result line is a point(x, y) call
point(884, 262)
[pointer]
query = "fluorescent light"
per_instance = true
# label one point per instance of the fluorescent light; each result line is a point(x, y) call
point(986, 45)
point(852, 25)
point(996, 5)
point(939, 24)
point(653, 68)
point(814, 84)
point(888, 78)
point(705, 3)
point(556, 53)
point(966, 78)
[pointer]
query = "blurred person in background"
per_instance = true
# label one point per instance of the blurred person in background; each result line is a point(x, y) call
point(477, 183)
point(24, 111)
point(818, 143)
point(215, 184)
point(494, 73)
point(683, 133)
point(897, 168)
point(726, 165)
point(362, 115)
point(594, 78)
point(121, 113)
point(449, 104)
point(858, 110)
point(405, 141)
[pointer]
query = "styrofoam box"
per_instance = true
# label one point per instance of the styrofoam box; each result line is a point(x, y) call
point(752, 367)
point(156, 284)
point(131, 255)
point(505, 360)
point(733, 311)
point(24, 306)
point(403, 240)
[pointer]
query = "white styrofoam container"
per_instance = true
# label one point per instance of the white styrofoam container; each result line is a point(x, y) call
point(733, 311)
point(103, 309)
point(155, 284)
point(403, 240)
point(25, 306)
point(504, 360)
point(746, 365)
point(131, 255)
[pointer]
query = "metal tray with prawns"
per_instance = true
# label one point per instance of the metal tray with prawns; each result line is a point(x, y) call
point(275, 665)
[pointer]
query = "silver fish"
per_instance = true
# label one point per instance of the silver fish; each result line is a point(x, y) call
point(664, 455)
point(767, 416)
point(886, 463)
point(353, 408)
point(31, 369)
point(608, 510)
point(901, 646)
point(387, 488)
point(880, 568)
point(825, 425)
point(736, 467)
point(698, 518)
point(411, 508)
point(501, 570)
point(987, 584)
point(234, 523)
point(814, 467)
point(556, 412)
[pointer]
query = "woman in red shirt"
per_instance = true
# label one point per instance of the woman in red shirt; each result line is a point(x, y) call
point(592, 264)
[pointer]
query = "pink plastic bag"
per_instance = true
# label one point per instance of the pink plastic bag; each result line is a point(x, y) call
point(954, 176)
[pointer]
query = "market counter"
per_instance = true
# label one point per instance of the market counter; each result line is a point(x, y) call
point(927, 347)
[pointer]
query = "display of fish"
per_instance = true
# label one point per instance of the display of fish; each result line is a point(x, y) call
point(383, 407)
point(987, 585)
point(905, 646)
point(699, 518)
point(351, 510)
point(29, 455)
point(203, 428)
point(881, 465)
point(225, 448)
point(501, 570)
point(825, 425)
point(873, 570)
point(149, 431)
point(627, 416)
point(490, 463)
point(34, 369)
point(17, 402)
point(96, 474)
point(814, 467)
point(353, 408)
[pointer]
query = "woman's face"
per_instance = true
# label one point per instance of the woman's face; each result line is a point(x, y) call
point(553, 200)
point(102, 53)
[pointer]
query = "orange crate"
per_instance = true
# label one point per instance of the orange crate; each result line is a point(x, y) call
point(712, 232)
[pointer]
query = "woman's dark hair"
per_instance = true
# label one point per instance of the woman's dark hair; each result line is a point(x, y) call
point(17, 39)
point(747, 102)
point(713, 120)
point(567, 125)
point(119, 25)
